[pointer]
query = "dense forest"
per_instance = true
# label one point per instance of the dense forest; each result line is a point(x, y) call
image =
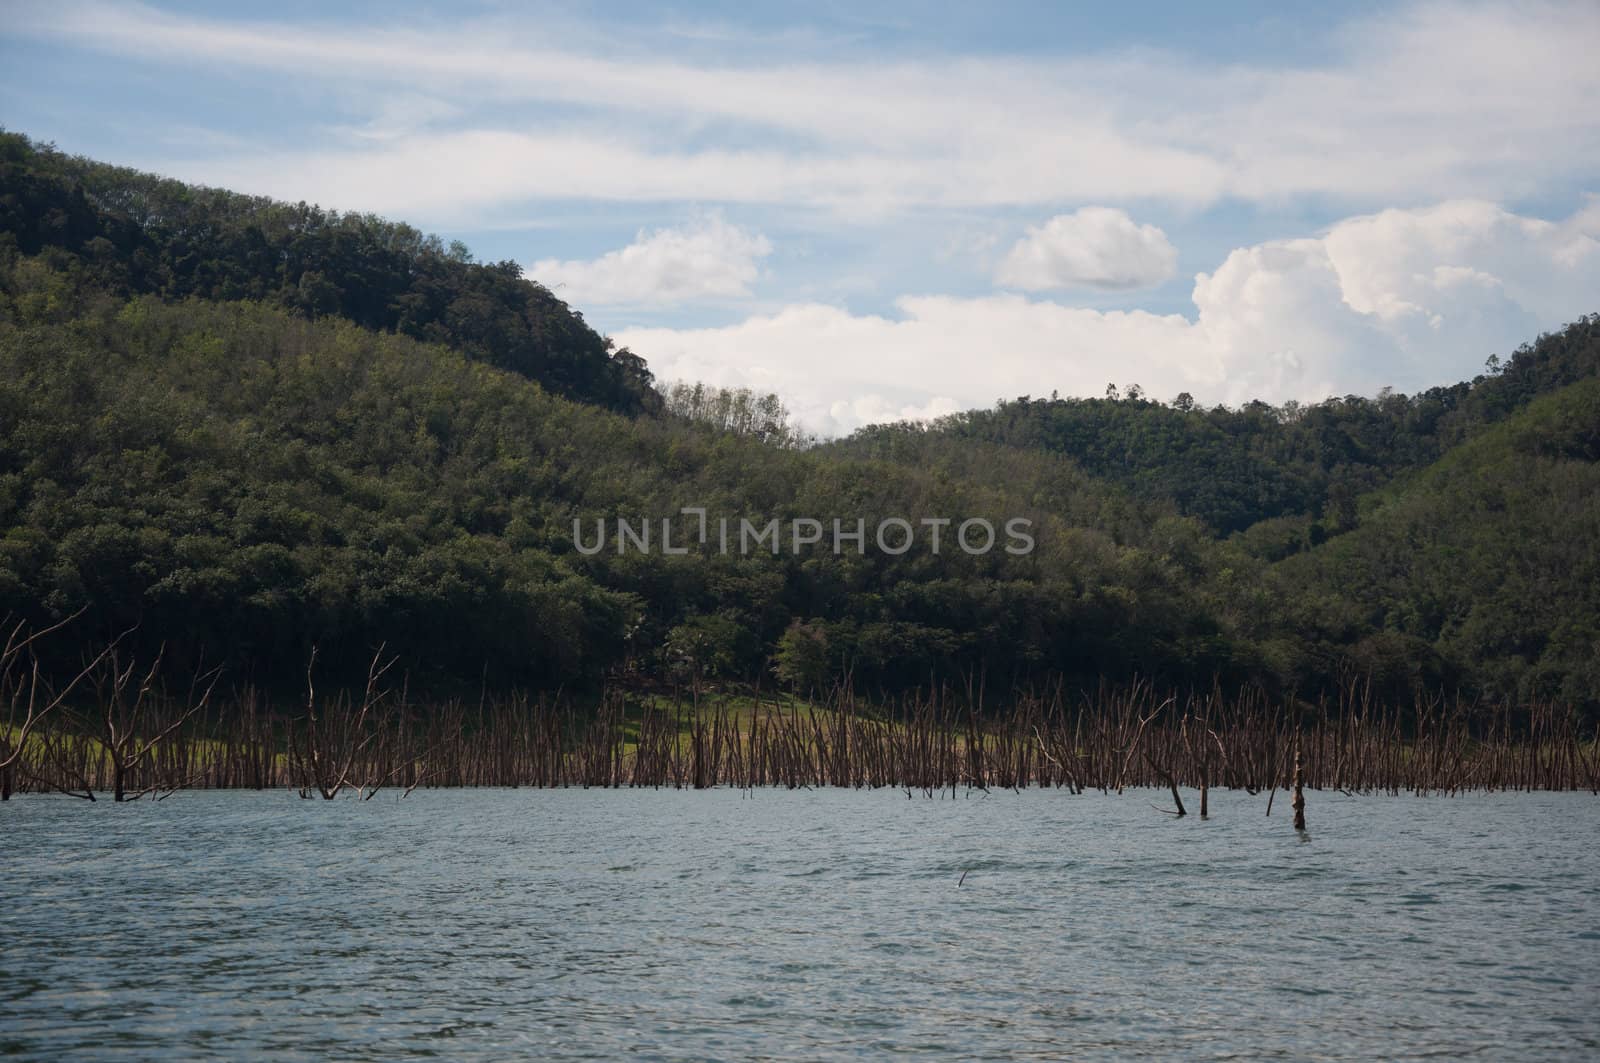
point(132, 233)
point(243, 429)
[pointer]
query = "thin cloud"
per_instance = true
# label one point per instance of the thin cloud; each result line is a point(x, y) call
point(477, 123)
point(1434, 97)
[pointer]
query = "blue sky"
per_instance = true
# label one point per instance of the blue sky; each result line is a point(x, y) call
point(917, 211)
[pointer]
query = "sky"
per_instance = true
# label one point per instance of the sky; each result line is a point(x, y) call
point(921, 210)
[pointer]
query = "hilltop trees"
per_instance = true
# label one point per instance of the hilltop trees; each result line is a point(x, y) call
point(242, 484)
point(738, 411)
point(132, 233)
point(1233, 468)
point(232, 430)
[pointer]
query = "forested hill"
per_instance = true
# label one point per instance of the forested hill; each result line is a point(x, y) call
point(240, 430)
point(243, 485)
point(1488, 561)
point(1232, 468)
point(134, 233)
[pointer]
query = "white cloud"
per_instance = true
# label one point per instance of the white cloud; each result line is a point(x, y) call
point(1470, 104)
point(838, 370)
point(1407, 299)
point(1093, 247)
point(1433, 96)
point(454, 174)
point(875, 409)
point(709, 258)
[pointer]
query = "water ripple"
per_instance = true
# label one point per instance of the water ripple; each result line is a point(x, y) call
point(804, 925)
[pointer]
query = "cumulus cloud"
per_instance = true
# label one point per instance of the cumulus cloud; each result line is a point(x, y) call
point(1407, 298)
point(709, 258)
point(1094, 247)
point(875, 409)
point(839, 370)
point(1402, 298)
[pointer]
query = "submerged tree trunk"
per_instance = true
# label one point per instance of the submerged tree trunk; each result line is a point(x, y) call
point(1299, 791)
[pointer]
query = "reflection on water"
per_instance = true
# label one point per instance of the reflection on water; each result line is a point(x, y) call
point(797, 925)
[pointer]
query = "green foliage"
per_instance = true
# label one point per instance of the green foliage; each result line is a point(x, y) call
point(738, 411)
point(1486, 564)
point(1233, 468)
point(707, 646)
point(802, 660)
point(244, 483)
point(134, 233)
point(249, 428)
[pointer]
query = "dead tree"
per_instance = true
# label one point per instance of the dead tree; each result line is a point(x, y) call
point(1299, 805)
point(324, 745)
point(1161, 770)
point(26, 697)
point(131, 718)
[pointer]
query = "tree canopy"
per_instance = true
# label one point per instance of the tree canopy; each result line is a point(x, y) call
point(134, 233)
point(243, 429)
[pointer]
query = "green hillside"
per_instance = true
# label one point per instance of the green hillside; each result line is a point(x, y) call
point(245, 483)
point(134, 233)
point(1232, 468)
point(244, 429)
point(1488, 560)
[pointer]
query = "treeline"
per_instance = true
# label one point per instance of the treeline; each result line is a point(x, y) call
point(1485, 564)
point(737, 411)
point(209, 465)
point(1233, 468)
point(243, 485)
point(133, 233)
point(1440, 541)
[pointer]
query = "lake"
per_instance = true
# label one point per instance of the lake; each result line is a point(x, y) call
point(571, 924)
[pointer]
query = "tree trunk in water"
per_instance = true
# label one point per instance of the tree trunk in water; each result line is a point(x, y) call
point(1299, 791)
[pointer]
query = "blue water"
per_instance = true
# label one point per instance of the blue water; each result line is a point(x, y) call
point(798, 925)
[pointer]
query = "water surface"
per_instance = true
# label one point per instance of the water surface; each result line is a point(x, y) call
point(498, 924)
